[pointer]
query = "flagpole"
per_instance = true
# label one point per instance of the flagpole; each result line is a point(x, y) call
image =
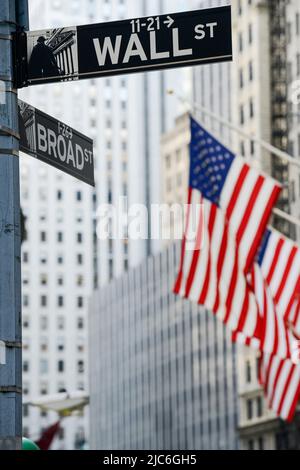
point(267, 146)
point(287, 217)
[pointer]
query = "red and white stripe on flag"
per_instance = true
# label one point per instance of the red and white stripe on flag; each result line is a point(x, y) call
point(247, 199)
point(211, 273)
point(280, 267)
point(281, 382)
point(274, 337)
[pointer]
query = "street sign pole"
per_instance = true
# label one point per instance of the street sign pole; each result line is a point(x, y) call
point(10, 242)
point(22, 14)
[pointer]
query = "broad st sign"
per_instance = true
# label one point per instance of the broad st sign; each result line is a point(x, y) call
point(144, 44)
point(55, 143)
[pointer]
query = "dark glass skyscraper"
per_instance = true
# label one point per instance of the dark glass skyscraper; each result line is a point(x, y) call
point(162, 370)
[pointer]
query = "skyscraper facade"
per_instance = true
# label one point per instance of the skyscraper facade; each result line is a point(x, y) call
point(293, 91)
point(162, 370)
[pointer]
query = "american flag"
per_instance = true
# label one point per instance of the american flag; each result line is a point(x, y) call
point(228, 295)
point(280, 379)
point(275, 281)
point(279, 260)
point(238, 201)
point(274, 337)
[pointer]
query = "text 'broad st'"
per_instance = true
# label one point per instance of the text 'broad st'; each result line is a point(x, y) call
point(55, 143)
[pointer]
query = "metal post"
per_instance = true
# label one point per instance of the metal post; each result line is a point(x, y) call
point(10, 242)
point(22, 14)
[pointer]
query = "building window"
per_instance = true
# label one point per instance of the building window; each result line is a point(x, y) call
point(25, 366)
point(61, 434)
point(43, 236)
point(293, 191)
point(79, 302)
point(168, 161)
point(60, 259)
point(251, 109)
point(169, 185)
point(250, 35)
point(60, 366)
point(60, 344)
point(242, 117)
point(25, 257)
point(257, 367)
point(43, 301)
point(240, 42)
point(250, 444)
point(43, 215)
point(298, 24)
point(25, 411)
point(259, 405)
point(60, 323)
point(43, 258)
point(249, 409)
point(241, 79)
point(60, 237)
point(80, 367)
point(59, 195)
point(44, 345)
point(79, 258)
point(248, 372)
point(79, 216)
point(240, 11)
point(111, 268)
point(179, 179)
point(79, 237)
point(80, 345)
point(61, 388)
point(261, 443)
point(250, 71)
point(43, 279)
point(25, 300)
point(60, 301)
point(80, 386)
point(80, 323)
point(44, 323)
point(78, 196)
point(43, 366)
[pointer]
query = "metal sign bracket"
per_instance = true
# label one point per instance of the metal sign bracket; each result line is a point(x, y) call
point(20, 54)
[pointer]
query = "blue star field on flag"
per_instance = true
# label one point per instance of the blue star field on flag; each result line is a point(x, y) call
point(210, 163)
point(263, 247)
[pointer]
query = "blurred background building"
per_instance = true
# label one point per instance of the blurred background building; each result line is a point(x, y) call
point(165, 375)
point(293, 94)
